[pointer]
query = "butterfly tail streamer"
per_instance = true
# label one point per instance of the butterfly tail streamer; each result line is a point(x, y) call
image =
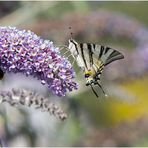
point(102, 89)
point(94, 91)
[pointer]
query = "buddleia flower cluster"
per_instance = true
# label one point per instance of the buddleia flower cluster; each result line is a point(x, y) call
point(16, 97)
point(24, 52)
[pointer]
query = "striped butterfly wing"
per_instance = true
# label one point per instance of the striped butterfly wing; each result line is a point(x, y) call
point(107, 54)
point(98, 56)
point(92, 58)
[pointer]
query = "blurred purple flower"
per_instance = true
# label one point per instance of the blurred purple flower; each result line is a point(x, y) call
point(25, 52)
point(17, 97)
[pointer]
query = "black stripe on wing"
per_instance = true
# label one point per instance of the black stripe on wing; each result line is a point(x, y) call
point(83, 56)
point(101, 51)
point(115, 55)
point(75, 46)
point(89, 46)
point(107, 49)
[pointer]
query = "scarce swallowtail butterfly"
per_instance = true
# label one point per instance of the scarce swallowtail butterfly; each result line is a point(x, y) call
point(92, 58)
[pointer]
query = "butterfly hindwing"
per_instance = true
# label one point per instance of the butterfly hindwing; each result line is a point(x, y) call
point(107, 54)
point(94, 55)
point(115, 55)
point(98, 67)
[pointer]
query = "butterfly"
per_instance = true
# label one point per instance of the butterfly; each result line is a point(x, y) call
point(92, 58)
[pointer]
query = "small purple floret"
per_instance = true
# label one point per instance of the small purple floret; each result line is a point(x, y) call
point(25, 52)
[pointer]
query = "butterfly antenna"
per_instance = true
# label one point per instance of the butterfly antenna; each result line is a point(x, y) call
point(102, 90)
point(94, 91)
point(61, 47)
point(71, 33)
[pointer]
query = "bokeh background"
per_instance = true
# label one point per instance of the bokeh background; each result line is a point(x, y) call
point(121, 119)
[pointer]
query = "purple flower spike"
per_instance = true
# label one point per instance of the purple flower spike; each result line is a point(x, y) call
point(25, 52)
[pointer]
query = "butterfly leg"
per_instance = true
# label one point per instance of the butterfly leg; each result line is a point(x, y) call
point(61, 47)
point(66, 53)
point(67, 50)
point(65, 47)
point(73, 59)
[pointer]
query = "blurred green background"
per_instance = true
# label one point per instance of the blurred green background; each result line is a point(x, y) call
point(121, 119)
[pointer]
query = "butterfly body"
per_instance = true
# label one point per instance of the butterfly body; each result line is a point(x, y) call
point(92, 58)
